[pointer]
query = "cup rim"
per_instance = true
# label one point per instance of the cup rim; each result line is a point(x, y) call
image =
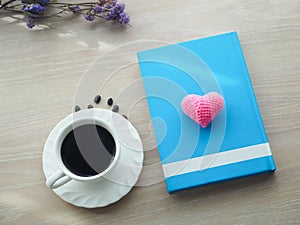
point(78, 121)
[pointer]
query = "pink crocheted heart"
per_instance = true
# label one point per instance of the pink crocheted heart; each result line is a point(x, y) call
point(202, 109)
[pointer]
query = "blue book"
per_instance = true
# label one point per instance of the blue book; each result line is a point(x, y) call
point(235, 143)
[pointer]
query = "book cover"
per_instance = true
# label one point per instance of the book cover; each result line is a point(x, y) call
point(235, 143)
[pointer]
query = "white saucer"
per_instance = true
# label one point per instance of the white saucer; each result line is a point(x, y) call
point(117, 182)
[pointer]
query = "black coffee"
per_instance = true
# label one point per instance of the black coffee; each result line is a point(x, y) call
point(88, 150)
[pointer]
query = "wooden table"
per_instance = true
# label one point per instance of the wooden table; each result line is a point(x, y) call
point(46, 71)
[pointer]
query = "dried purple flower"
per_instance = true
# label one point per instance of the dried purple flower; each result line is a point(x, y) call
point(110, 15)
point(106, 9)
point(118, 13)
point(124, 18)
point(41, 2)
point(110, 4)
point(98, 9)
point(44, 2)
point(28, 1)
point(30, 23)
point(34, 8)
point(119, 8)
point(89, 16)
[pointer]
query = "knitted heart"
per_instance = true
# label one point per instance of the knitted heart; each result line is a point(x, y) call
point(202, 109)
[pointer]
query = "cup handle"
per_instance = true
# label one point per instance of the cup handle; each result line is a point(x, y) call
point(57, 179)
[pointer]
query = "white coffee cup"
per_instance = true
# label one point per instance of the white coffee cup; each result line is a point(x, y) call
point(83, 117)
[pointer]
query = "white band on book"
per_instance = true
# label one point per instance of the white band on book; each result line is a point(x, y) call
point(217, 159)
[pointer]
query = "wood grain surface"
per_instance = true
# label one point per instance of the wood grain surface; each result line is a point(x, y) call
point(46, 71)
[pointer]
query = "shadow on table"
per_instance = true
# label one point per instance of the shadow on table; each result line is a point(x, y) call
point(242, 187)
